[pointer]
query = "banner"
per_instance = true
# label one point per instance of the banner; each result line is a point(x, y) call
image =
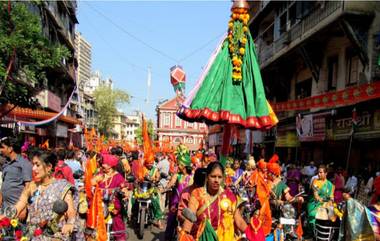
point(348, 96)
point(287, 139)
point(311, 128)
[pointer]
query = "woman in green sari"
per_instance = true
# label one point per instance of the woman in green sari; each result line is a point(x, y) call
point(323, 192)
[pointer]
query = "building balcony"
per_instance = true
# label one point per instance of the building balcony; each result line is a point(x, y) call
point(51, 9)
point(319, 18)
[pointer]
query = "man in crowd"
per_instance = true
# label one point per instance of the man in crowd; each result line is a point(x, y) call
point(163, 167)
point(309, 170)
point(62, 170)
point(352, 183)
point(75, 165)
point(17, 171)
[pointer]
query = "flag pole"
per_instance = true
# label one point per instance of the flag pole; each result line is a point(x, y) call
point(354, 123)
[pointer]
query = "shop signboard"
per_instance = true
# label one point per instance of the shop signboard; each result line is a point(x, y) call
point(367, 126)
point(311, 128)
point(287, 139)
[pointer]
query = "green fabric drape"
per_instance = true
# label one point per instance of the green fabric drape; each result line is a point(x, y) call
point(157, 212)
point(219, 93)
point(209, 233)
point(356, 223)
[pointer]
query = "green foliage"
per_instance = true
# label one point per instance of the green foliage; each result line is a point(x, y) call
point(21, 32)
point(151, 133)
point(106, 102)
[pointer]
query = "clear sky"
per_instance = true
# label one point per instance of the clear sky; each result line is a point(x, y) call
point(129, 36)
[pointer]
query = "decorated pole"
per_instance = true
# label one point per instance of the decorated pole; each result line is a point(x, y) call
point(230, 91)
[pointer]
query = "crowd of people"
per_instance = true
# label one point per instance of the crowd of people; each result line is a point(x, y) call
point(58, 194)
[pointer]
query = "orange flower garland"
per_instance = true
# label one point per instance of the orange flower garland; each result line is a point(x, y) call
point(237, 38)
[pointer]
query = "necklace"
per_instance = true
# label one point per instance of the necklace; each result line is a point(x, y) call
point(108, 180)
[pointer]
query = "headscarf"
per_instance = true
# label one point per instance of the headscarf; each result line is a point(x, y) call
point(274, 168)
point(183, 155)
point(149, 159)
point(274, 159)
point(110, 160)
point(262, 164)
point(251, 162)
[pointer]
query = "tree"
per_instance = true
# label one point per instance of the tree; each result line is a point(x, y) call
point(25, 54)
point(106, 102)
point(138, 132)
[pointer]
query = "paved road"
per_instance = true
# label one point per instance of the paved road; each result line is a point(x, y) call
point(151, 234)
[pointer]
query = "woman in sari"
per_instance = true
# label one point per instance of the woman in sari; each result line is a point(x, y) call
point(40, 196)
point(339, 185)
point(374, 211)
point(323, 191)
point(215, 210)
point(179, 181)
point(293, 179)
point(108, 182)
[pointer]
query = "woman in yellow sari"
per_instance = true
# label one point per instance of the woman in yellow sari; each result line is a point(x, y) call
point(215, 210)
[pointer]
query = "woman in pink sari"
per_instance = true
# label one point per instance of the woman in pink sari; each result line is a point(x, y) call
point(293, 179)
point(339, 185)
point(108, 182)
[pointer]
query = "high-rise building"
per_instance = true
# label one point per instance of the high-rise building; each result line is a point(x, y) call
point(83, 52)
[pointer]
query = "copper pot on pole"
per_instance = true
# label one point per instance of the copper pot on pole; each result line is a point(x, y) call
point(240, 4)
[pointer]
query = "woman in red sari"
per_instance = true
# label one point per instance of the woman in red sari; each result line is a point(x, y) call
point(215, 210)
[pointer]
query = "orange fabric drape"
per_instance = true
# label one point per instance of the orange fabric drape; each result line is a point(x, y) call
point(101, 224)
point(148, 150)
point(95, 216)
point(91, 166)
point(263, 193)
point(92, 213)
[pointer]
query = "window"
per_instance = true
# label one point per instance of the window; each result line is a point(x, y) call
point(303, 89)
point(177, 121)
point(332, 72)
point(167, 119)
point(190, 140)
point(352, 67)
point(177, 140)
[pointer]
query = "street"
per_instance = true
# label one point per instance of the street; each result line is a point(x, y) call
point(220, 120)
point(152, 233)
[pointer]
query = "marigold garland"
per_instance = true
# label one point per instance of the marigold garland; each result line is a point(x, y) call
point(237, 38)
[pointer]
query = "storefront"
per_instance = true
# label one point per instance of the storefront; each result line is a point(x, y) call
point(356, 144)
point(287, 143)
